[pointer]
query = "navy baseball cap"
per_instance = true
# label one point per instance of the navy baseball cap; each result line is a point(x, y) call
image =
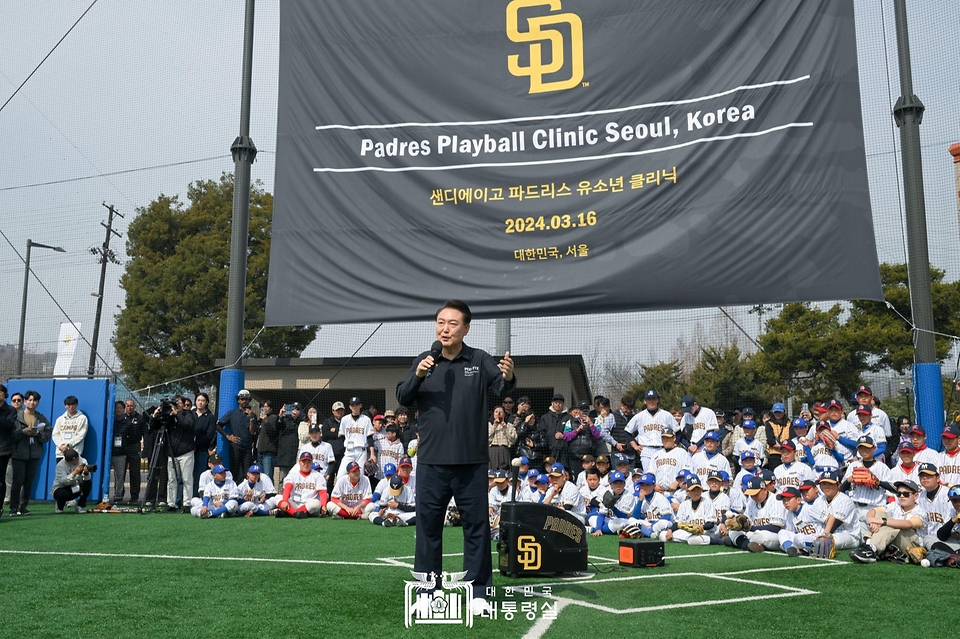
point(779, 408)
point(620, 458)
point(863, 409)
point(829, 477)
point(647, 478)
point(617, 476)
point(686, 403)
point(789, 491)
point(255, 469)
point(556, 470)
point(389, 469)
point(867, 441)
point(352, 466)
point(834, 404)
point(219, 468)
point(396, 485)
point(583, 406)
point(753, 486)
point(918, 429)
point(314, 428)
point(747, 454)
point(355, 400)
point(712, 435)
point(636, 472)
point(748, 423)
point(499, 476)
point(787, 445)
point(800, 422)
point(907, 447)
point(863, 389)
point(807, 484)
point(557, 397)
point(767, 475)
point(693, 482)
point(715, 474)
point(668, 432)
point(651, 394)
point(747, 411)
point(404, 461)
point(926, 468)
point(909, 485)
point(305, 455)
point(950, 432)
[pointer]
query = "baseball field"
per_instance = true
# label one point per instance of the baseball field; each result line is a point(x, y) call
point(163, 575)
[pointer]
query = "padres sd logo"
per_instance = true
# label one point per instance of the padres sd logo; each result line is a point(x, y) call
point(528, 552)
point(535, 35)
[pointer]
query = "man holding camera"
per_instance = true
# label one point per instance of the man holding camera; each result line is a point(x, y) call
point(179, 425)
point(72, 481)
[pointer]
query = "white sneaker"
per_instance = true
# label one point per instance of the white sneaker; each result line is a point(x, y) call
point(80, 509)
point(480, 607)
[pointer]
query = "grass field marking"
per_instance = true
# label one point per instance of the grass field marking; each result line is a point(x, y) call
point(318, 562)
point(799, 591)
point(543, 624)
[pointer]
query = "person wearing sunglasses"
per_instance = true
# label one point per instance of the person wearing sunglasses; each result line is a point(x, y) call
point(893, 525)
point(8, 421)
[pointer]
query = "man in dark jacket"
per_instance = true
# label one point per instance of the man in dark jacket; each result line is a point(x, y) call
point(8, 421)
point(30, 433)
point(238, 426)
point(205, 437)
point(179, 432)
point(267, 439)
point(128, 430)
point(288, 441)
point(551, 423)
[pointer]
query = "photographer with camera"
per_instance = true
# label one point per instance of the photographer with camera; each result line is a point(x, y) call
point(177, 424)
point(71, 481)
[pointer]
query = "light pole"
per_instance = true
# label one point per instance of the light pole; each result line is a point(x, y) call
point(23, 305)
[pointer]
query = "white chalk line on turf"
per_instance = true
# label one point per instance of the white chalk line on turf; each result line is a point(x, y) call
point(319, 562)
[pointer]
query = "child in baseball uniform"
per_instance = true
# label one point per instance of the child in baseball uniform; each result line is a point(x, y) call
point(615, 509)
point(351, 493)
point(304, 491)
point(220, 499)
point(397, 507)
point(258, 495)
point(695, 518)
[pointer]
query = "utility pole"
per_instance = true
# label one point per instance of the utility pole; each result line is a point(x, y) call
point(105, 255)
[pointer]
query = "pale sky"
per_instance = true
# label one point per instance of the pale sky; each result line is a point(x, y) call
point(142, 84)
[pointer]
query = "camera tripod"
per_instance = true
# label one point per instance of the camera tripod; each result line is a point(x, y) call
point(154, 468)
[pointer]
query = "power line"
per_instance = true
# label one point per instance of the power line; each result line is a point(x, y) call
point(100, 175)
point(48, 55)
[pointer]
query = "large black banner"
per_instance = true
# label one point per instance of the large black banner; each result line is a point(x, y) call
point(546, 157)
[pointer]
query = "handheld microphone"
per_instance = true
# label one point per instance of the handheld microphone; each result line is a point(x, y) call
point(435, 351)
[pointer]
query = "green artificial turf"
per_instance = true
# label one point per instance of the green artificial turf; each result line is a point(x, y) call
point(185, 587)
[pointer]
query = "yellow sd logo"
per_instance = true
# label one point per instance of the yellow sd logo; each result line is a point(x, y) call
point(535, 35)
point(528, 552)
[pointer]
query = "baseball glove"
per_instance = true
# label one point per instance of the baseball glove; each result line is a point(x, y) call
point(453, 517)
point(370, 468)
point(609, 499)
point(631, 531)
point(916, 554)
point(823, 547)
point(738, 522)
point(863, 477)
point(827, 438)
point(693, 529)
point(892, 553)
